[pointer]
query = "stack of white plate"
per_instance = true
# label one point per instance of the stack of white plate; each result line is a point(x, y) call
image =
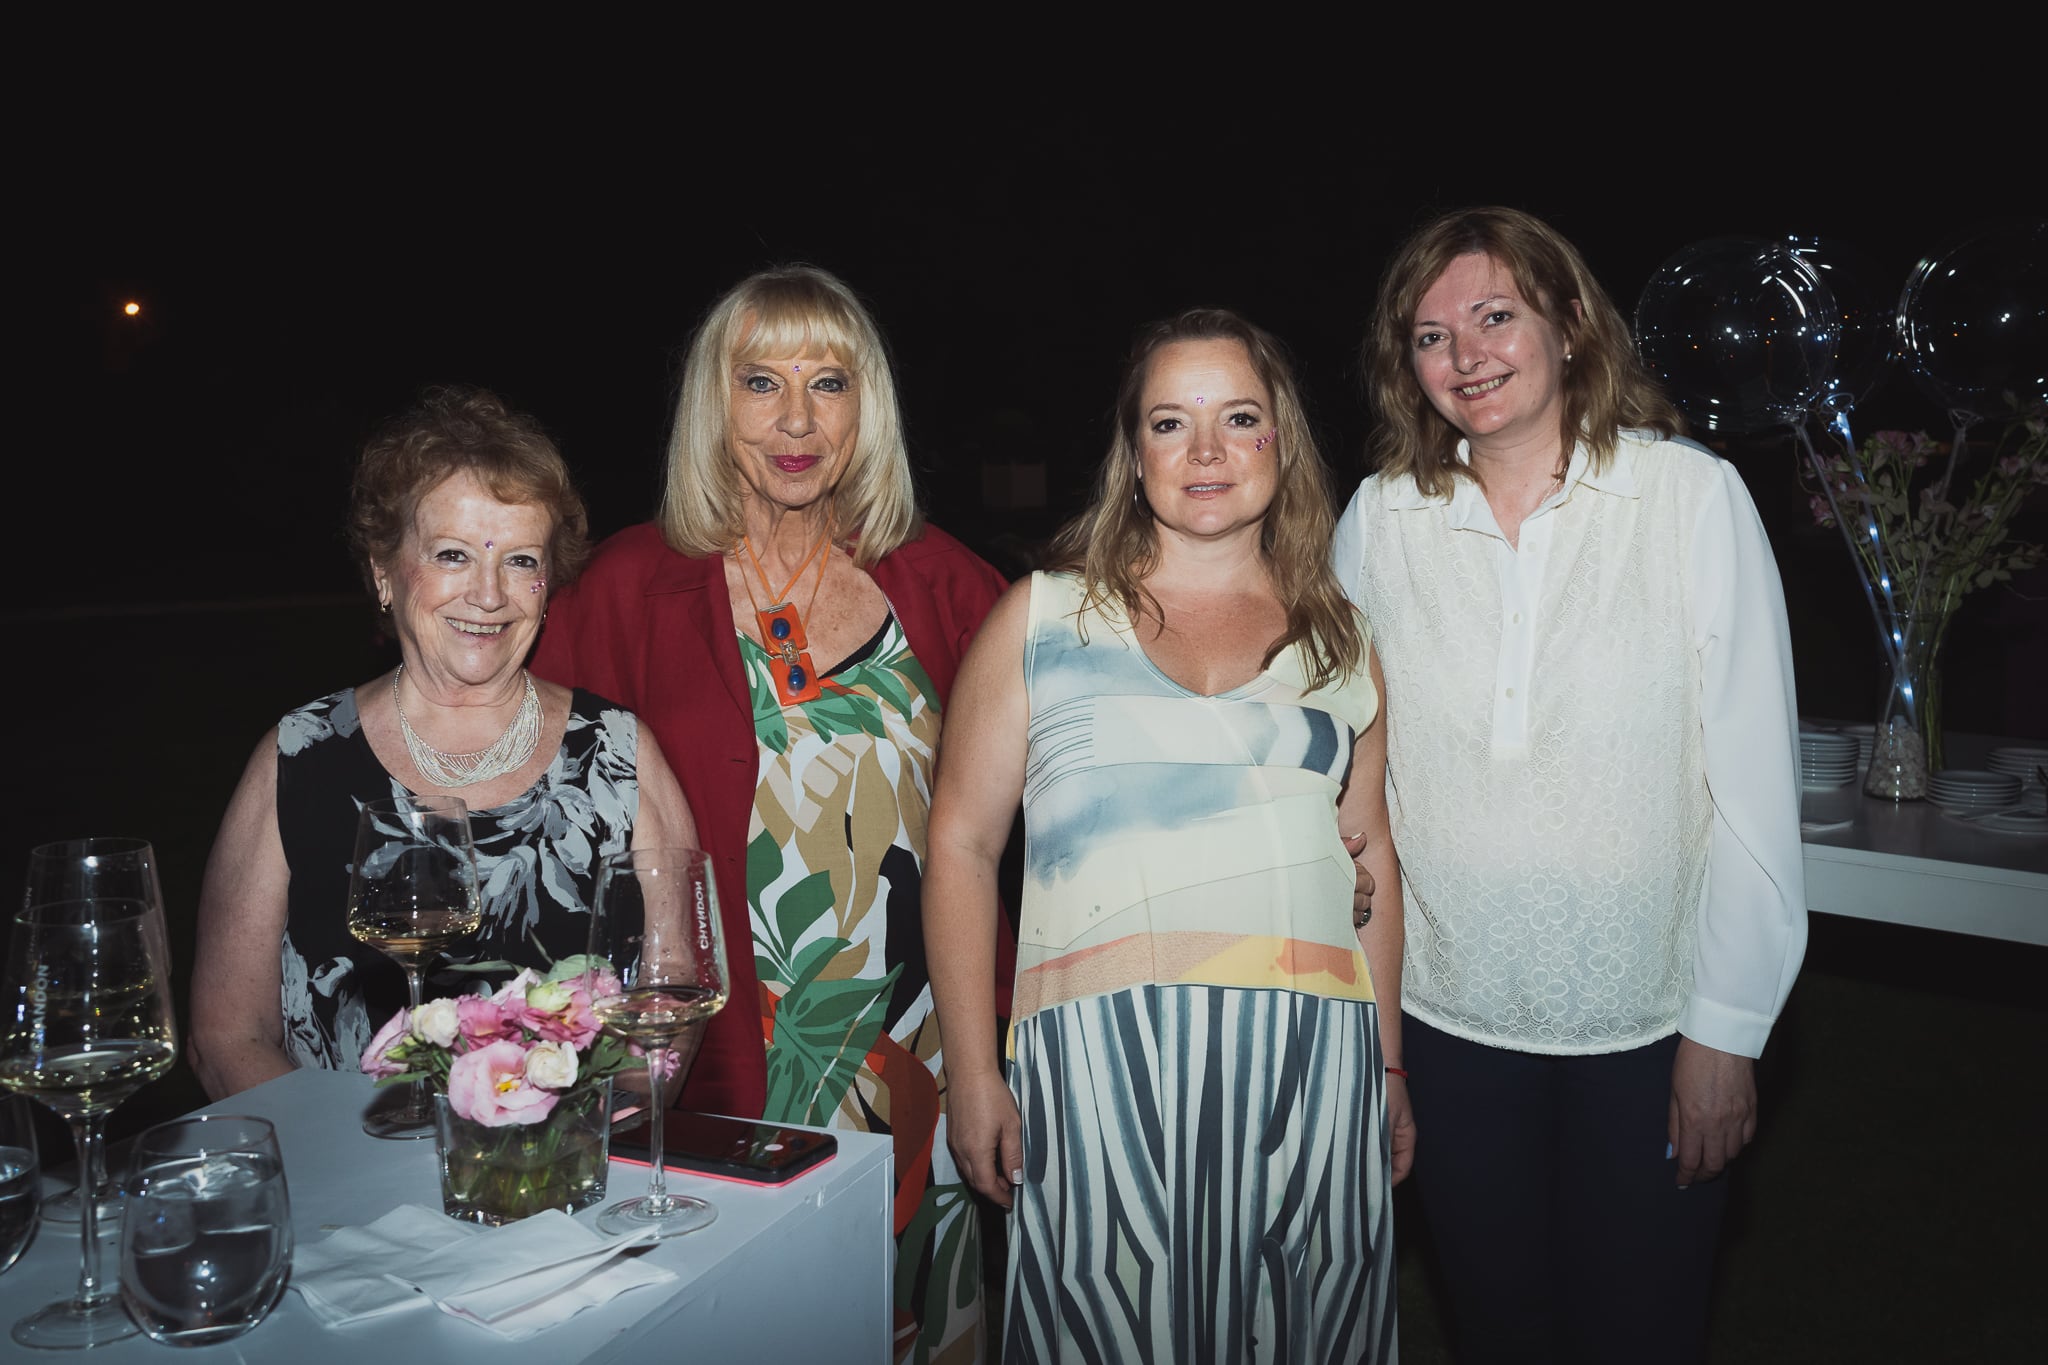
point(1971, 791)
point(1826, 759)
point(2025, 762)
point(1862, 735)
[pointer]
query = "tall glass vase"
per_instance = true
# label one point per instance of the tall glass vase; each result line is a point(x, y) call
point(1907, 744)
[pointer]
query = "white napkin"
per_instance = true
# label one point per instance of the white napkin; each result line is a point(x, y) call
point(515, 1280)
point(343, 1276)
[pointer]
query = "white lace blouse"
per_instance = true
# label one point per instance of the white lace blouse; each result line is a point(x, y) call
point(1592, 754)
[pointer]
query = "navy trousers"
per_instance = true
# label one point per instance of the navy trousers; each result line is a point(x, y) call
point(1557, 1220)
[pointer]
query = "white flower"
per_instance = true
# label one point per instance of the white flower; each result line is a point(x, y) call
point(551, 1066)
point(435, 1022)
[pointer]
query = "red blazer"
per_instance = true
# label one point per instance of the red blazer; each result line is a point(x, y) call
point(653, 630)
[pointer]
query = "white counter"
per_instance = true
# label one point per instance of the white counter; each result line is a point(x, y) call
point(1911, 863)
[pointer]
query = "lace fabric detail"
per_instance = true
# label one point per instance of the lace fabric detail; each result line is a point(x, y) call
point(1546, 778)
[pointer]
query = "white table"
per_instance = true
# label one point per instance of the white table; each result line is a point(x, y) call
point(1910, 863)
point(804, 1273)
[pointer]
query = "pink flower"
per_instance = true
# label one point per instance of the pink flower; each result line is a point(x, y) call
point(513, 992)
point(598, 981)
point(671, 1062)
point(571, 1021)
point(489, 1086)
point(1822, 514)
point(484, 1021)
point(377, 1059)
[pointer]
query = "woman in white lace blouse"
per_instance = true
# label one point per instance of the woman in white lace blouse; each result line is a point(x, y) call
point(1592, 776)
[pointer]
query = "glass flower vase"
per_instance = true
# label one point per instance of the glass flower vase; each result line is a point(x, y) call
point(500, 1175)
point(1906, 745)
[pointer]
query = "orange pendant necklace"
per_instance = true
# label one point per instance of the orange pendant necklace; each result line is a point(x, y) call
point(782, 627)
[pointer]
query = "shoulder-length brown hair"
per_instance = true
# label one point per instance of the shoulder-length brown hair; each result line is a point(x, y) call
point(791, 310)
point(1113, 544)
point(1606, 388)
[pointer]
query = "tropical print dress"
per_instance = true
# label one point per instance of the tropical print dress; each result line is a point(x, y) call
point(1196, 1053)
point(835, 858)
point(537, 859)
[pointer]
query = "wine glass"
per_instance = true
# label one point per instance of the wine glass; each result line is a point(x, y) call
point(76, 870)
point(656, 922)
point(85, 1022)
point(411, 893)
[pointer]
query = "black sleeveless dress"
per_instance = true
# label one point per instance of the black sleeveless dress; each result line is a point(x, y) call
point(537, 859)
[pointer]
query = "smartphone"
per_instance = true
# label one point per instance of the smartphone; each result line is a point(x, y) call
point(728, 1149)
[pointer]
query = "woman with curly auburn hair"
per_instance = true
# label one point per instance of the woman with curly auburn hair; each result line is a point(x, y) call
point(465, 523)
point(1592, 767)
point(1204, 1057)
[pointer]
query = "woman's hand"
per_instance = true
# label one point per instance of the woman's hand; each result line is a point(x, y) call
point(1361, 891)
point(986, 1134)
point(1400, 1126)
point(1713, 1109)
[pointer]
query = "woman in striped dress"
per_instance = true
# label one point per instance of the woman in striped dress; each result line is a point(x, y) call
point(1199, 1136)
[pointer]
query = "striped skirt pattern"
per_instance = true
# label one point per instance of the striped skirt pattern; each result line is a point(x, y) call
point(1205, 1179)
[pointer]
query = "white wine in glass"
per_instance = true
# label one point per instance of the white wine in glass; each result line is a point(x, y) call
point(85, 1022)
point(656, 922)
point(412, 893)
point(99, 867)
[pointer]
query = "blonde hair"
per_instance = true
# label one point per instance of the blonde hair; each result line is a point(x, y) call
point(789, 311)
point(1605, 385)
point(1113, 546)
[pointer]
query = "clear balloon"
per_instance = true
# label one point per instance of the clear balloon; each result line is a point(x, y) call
point(1973, 320)
point(1741, 331)
point(1868, 342)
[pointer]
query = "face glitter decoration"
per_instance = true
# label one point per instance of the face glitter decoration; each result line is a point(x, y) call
point(1199, 400)
point(490, 545)
point(539, 585)
point(1266, 440)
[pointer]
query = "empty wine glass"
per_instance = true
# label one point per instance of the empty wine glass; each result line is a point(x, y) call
point(206, 1246)
point(411, 893)
point(85, 1022)
point(77, 870)
point(656, 922)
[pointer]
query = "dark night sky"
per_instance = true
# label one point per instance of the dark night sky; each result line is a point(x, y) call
point(303, 275)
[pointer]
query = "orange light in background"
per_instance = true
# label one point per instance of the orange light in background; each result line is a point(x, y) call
point(131, 308)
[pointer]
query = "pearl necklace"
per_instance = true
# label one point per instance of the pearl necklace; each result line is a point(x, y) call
point(508, 754)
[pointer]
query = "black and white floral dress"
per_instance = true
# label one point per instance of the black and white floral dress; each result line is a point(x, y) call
point(537, 860)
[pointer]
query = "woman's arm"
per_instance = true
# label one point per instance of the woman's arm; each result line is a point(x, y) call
point(1751, 934)
point(237, 1034)
point(1363, 810)
point(980, 781)
point(664, 820)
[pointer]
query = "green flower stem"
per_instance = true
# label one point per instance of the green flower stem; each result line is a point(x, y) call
point(499, 1175)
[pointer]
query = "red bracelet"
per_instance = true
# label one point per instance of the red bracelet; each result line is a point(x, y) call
point(1397, 1071)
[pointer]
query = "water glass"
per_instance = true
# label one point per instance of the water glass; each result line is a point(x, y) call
point(21, 1179)
point(206, 1243)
